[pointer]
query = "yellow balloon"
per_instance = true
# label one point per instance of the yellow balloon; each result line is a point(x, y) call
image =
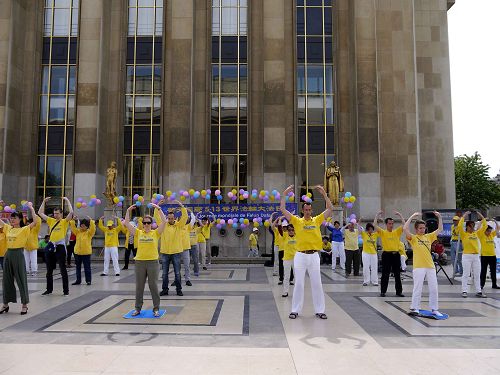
point(271, 197)
point(141, 198)
point(257, 224)
point(116, 200)
point(13, 206)
point(241, 197)
point(266, 223)
point(78, 205)
point(168, 193)
point(191, 191)
point(246, 221)
point(352, 199)
point(93, 196)
point(346, 199)
point(262, 192)
point(183, 198)
point(309, 195)
point(1, 208)
point(291, 199)
point(234, 191)
point(203, 193)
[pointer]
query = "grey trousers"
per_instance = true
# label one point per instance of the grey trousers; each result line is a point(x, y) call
point(146, 269)
point(14, 268)
point(185, 257)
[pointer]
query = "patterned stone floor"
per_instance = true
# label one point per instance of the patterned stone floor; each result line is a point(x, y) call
point(233, 320)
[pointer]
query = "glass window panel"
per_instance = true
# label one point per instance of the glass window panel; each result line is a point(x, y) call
point(301, 49)
point(130, 79)
point(243, 21)
point(61, 22)
point(243, 49)
point(229, 79)
point(315, 110)
point(314, 79)
point(43, 109)
point(301, 79)
point(301, 109)
point(328, 21)
point(55, 140)
point(329, 110)
point(132, 16)
point(329, 50)
point(315, 49)
point(58, 80)
point(72, 79)
point(243, 79)
point(159, 3)
point(68, 175)
point(72, 51)
point(157, 110)
point(145, 21)
point(301, 139)
point(143, 79)
point(144, 50)
point(215, 3)
point(46, 50)
point(48, 3)
point(228, 170)
point(300, 21)
point(243, 3)
point(314, 21)
point(302, 174)
point(158, 51)
point(215, 78)
point(159, 22)
point(215, 49)
point(57, 110)
point(47, 29)
point(316, 164)
point(316, 139)
point(59, 51)
point(215, 21)
point(71, 110)
point(243, 170)
point(157, 79)
point(229, 49)
point(54, 170)
point(228, 139)
point(142, 110)
point(229, 3)
point(62, 3)
point(45, 80)
point(314, 2)
point(146, 3)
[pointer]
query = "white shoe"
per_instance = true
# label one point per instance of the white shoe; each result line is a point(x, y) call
point(437, 313)
point(274, 273)
point(414, 312)
point(376, 284)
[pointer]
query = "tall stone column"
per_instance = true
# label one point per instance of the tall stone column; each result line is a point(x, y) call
point(177, 94)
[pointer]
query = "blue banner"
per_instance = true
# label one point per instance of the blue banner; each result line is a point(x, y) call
point(231, 211)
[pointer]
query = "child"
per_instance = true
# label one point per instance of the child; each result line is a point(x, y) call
point(423, 264)
point(253, 239)
point(290, 248)
point(370, 257)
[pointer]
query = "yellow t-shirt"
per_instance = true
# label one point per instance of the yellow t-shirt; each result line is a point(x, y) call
point(390, 240)
point(421, 246)
point(171, 238)
point(351, 239)
point(290, 246)
point(32, 243)
point(59, 232)
point(369, 242)
point(17, 237)
point(402, 250)
point(252, 240)
point(3, 241)
point(83, 245)
point(186, 238)
point(199, 235)
point(487, 242)
point(206, 230)
point(470, 241)
point(308, 232)
point(111, 235)
point(454, 233)
point(147, 244)
point(278, 239)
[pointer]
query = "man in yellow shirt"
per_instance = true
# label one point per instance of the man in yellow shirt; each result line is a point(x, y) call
point(309, 244)
point(455, 249)
point(111, 232)
point(351, 247)
point(423, 264)
point(171, 247)
point(488, 255)
point(289, 250)
point(253, 240)
point(369, 255)
point(206, 231)
point(83, 248)
point(58, 228)
point(391, 260)
point(470, 257)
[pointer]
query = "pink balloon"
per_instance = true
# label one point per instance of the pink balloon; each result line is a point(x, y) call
point(84, 204)
point(98, 201)
point(217, 192)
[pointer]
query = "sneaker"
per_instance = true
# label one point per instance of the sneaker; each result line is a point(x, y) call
point(400, 295)
point(437, 313)
point(333, 269)
point(292, 283)
point(89, 283)
point(280, 282)
point(188, 283)
point(117, 274)
point(46, 293)
point(376, 284)
point(164, 293)
point(480, 295)
point(382, 294)
point(76, 283)
point(284, 295)
point(66, 294)
point(179, 293)
point(103, 274)
point(414, 312)
point(365, 284)
point(464, 294)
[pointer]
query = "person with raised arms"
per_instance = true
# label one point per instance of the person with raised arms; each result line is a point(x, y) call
point(423, 264)
point(146, 259)
point(31, 249)
point(309, 244)
point(83, 248)
point(56, 254)
point(369, 255)
point(111, 232)
point(391, 259)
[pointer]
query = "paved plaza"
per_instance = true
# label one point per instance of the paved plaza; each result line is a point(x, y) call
point(233, 320)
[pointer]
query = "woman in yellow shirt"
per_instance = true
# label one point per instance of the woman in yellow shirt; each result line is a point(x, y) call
point(146, 260)
point(3, 244)
point(31, 249)
point(488, 255)
point(369, 255)
point(289, 243)
point(111, 232)
point(14, 265)
point(83, 248)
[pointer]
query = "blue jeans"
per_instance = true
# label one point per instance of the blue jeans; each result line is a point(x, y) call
point(176, 261)
point(194, 256)
point(85, 259)
point(454, 249)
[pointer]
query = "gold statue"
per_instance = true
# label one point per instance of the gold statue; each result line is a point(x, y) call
point(334, 184)
point(111, 174)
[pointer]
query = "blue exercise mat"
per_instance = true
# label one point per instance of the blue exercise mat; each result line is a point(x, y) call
point(428, 314)
point(145, 314)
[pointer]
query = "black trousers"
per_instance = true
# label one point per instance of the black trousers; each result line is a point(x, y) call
point(391, 262)
point(70, 248)
point(326, 258)
point(492, 262)
point(85, 260)
point(282, 270)
point(352, 259)
point(53, 259)
point(130, 249)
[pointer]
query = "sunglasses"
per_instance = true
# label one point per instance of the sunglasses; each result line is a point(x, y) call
point(147, 222)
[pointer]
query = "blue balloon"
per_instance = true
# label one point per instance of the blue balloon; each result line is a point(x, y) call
point(207, 197)
point(242, 220)
point(348, 194)
point(219, 197)
point(150, 205)
point(235, 225)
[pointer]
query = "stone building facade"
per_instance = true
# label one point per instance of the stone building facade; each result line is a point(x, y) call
point(230, 93)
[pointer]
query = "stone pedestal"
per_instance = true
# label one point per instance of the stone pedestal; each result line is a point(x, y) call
point(338, 214)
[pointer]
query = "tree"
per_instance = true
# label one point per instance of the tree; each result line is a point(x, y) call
point(475, 189)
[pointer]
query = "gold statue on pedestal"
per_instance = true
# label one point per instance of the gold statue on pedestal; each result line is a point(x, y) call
point(111, 174)
point(334, 184)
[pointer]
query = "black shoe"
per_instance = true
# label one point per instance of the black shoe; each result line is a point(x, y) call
point(292, 283)
point(89, 283)
point(179, 293)
point(103, 274)
point(5, 309)
point(382, 294)
point(164, 293)
point(69, 266)
point(284, 295)
point(280, 282)
point(125, 268)
point(65, 294)
point(173, 284)
point(400, 295)
point(188, 283)
point(76, 283)
point(46, 293)
point(117, 274)
point(204, 268)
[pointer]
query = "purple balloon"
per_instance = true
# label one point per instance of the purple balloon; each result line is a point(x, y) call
point(349, 205)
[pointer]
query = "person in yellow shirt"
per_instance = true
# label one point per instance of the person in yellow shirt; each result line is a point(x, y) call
point(402, 256)
point(456, 249)
point(83, 248)
point(391, 259)
point(111, 232)
point(3, 244)
point(130, 242)
point(423, 264)
point(193, 241)
point(31, 249)
point(14, 267)
point(206, 230)
point(146, 260)
point(289, 249)
point(351, 247)
point(277, 267)
point(470, 257)
point(171, 247)
point(253, 247)
point(186, 246)
point(56, 254)
point(488, 255)
point(369, 255)
point(309, 244)
point(326, 252)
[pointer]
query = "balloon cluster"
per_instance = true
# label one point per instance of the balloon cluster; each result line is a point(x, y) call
point(349, 199)
point(10, 208)
point(118, 201)
point(307, 198)
point(94, 201)
point(138, 199)
point(352, 219)
point(239, 222)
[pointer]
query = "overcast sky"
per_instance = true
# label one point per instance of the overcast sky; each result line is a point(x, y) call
point(474, 30)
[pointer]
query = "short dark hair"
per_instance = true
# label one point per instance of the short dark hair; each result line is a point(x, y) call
point(336, 222)
point(290, 226)
point(489, 227)
point(169, 213)
point(370, 226)
point(388, 219)
point(306, 204)
point(85, 222)
point(419, 222)
point(58, 208)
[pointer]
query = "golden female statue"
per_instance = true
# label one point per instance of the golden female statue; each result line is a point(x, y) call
point(111, 174)
point(334, 184)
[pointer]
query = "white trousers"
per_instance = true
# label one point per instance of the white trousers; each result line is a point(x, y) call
point(310, 263)
point(202, 251)
point(276, 260)
point(471, 262)
point(185, 257)
point(287, 270)
point(253, 252)
point(370, 268)
point(338, 252)
point(111, 253)
point(419, 275)
point(30, 258)
point(403, 262)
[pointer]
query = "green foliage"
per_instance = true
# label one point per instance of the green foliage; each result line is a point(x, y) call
point(475, 189)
